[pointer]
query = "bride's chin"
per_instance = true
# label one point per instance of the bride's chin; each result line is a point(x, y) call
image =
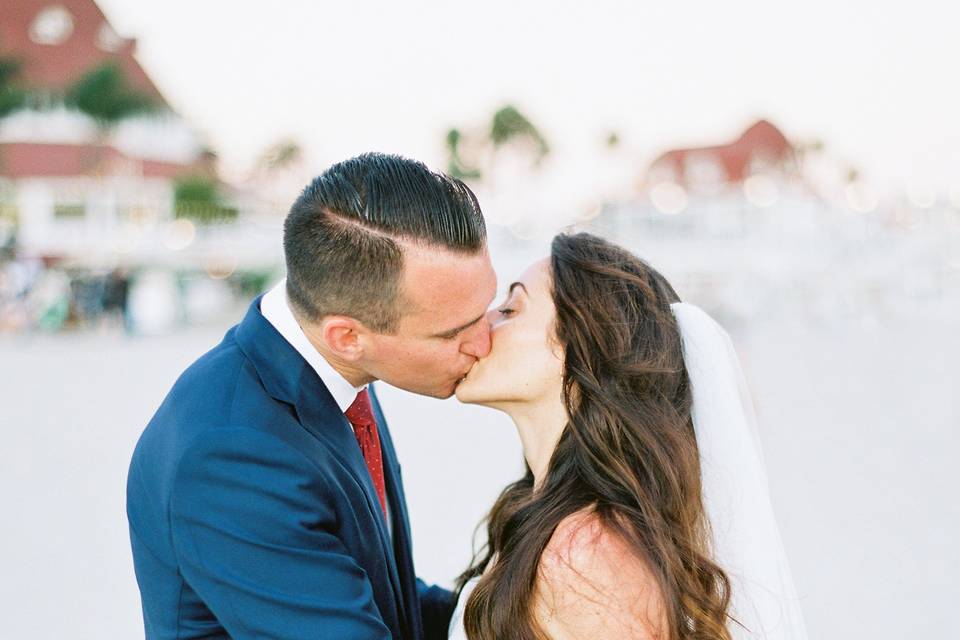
point(462, 392)
point(470, 392)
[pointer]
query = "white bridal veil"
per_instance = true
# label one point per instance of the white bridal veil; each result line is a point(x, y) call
point(746, 538)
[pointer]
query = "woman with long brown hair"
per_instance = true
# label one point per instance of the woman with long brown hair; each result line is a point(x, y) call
point(607, 534)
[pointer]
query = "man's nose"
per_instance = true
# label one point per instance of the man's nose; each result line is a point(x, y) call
point(478, 343)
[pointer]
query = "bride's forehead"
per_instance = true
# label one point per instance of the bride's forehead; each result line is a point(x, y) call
point(536, 276)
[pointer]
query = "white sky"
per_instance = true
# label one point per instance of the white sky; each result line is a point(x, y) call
point(877, 81)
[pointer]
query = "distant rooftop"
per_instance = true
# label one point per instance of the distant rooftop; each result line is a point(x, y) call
point(762, 141)
point(57, 42)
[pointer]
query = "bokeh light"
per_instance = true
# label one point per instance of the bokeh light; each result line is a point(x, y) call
point(860, 197)
point(180, 234)
point(761, 191)
point(669, 198)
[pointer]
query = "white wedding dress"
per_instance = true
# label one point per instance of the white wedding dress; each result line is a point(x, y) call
point(746, 538)
point(457, 632)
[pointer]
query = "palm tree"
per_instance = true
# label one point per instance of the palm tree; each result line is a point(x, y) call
point(455, 164)
point(472, 156)
point(510, 125)
point(280, 156)
point(279, 173)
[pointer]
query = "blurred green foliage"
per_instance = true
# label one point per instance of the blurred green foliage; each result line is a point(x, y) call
point(281, 155)
point(104, 94)
point(456, 167)
point(467, 153)
point(509, 124)
point(12, 97)
point(198, 198)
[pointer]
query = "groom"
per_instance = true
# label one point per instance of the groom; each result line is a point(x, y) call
point(264, 497)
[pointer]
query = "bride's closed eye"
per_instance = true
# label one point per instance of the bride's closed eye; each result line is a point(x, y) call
point(512, 303)
point(509, 307)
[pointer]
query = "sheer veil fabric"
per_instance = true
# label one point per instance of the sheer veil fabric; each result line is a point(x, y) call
point(736, 497)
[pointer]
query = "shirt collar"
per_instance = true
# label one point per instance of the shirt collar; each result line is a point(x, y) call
point(276, 310)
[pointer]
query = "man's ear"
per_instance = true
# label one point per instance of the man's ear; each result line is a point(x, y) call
point(341, 334)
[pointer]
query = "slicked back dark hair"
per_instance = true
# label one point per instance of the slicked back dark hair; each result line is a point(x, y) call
point(342, 238)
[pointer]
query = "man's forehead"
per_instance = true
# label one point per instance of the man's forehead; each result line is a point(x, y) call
point(447, 285)
point(427, 253)
point(439, 264)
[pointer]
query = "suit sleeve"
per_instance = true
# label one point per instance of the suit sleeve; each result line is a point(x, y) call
point(253, 537)
point(436, 609)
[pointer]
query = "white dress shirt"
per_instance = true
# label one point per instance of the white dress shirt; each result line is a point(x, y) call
point(276, 310)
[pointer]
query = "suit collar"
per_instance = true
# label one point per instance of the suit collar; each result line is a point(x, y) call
point(278, 364)
point(276, 309)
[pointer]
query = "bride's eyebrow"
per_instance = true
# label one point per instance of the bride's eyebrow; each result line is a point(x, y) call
point(517, 284)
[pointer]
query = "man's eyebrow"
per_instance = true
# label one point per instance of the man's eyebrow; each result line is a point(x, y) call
point(453, 332)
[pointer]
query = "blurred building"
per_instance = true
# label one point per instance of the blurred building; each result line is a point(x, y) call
point(76, 181)
point(761, 149)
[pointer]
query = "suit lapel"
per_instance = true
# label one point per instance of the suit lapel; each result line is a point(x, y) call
point(290, 379)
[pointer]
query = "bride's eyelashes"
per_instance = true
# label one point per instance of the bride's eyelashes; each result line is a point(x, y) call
point(508, 307)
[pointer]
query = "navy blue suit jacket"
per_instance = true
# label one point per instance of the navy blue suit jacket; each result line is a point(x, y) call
point(252, 513)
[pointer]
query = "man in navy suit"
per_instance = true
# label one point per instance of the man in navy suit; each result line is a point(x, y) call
point(265, 498)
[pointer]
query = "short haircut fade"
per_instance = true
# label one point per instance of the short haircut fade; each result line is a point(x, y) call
point(342, 238)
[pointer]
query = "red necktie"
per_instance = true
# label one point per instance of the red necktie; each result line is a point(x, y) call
point(360, 415)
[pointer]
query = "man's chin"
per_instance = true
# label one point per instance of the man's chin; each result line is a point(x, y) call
point(440, 394)
point(446, 393)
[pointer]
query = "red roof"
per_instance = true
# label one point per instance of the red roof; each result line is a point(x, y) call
point(90, 43)
point(762, 140)
point(22, 160)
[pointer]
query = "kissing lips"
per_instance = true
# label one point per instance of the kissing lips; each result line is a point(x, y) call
point(466, 374)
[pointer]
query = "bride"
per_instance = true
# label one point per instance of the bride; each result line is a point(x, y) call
point(643, 512)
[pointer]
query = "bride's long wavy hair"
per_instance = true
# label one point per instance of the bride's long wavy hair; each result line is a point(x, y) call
point(628, 451)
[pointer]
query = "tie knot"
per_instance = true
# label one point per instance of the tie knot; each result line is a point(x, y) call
point(360, 413)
